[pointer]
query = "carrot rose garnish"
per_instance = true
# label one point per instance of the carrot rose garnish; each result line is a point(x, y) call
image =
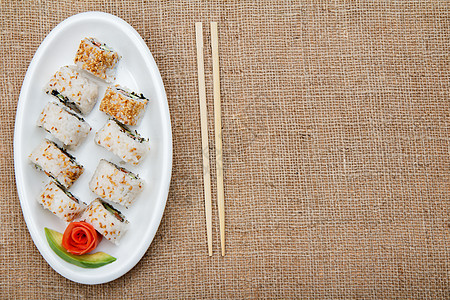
point(80, 238)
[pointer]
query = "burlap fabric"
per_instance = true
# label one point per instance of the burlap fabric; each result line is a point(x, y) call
point(336, 151)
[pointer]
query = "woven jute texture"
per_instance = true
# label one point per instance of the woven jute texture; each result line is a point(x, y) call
point(336, 150)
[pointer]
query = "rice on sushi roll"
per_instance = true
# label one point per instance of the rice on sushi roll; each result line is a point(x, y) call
point(121, 141)
point(60, 202)
point(73, 89)
point(107, 220)
point(123, 105)
point(116, 184)
point(97, 59)
point(64, 125)
point(56, 163)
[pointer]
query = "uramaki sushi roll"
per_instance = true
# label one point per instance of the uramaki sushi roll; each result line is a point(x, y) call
point(56, 163)
point(115, 183)
point(123, 142)
point(97, 58)
point(63, 124)
point(60, 202)
point(73, 89)
point(107, 220)
point(123, 105)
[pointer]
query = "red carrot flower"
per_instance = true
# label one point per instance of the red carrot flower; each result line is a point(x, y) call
point(80, 238)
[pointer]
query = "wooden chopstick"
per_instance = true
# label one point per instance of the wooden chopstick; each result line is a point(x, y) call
point(204, 131)
point(218, 132)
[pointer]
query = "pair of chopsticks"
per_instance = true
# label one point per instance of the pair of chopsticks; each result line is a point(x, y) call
point(204, 131)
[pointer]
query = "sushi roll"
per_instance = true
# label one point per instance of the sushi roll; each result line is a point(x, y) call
point(63, 124)
point(107, 220)
point(121, 141)
point(73, 89)
point(56, 163)
point(116, 184)
point(97, 59)
point(60, 202)
point(123, 105)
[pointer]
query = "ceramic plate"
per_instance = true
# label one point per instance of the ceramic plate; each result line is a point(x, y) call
point(136, 70)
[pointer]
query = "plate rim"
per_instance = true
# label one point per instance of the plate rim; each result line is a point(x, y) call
point(165, 119)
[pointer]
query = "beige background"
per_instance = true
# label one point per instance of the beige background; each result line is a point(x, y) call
point(336, 150)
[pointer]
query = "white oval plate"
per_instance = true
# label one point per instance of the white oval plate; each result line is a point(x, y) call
point(136, 70)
